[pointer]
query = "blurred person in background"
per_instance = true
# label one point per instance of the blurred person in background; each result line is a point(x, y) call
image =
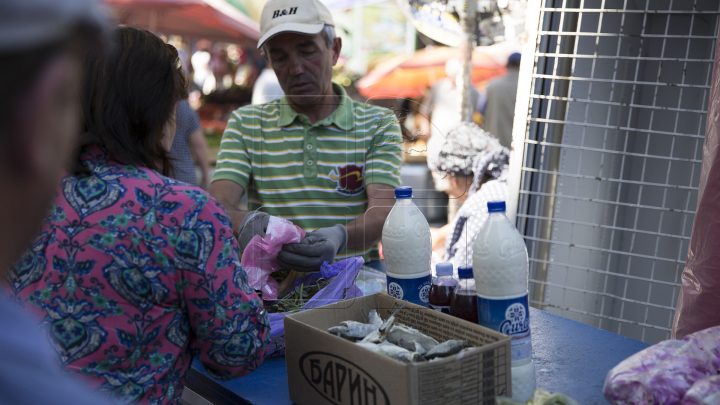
point(200, 61)
point(499, 109)
point(266, 88)
point(190, 147)
point(41, 42)
point(443, 109)
point(219, 66)
point(133, 274)
point(476, 166)
point(401, 108)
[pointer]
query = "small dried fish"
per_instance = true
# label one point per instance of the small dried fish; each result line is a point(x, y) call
point(392, 351)
point(380, 334)
point(357, 330)
point(395, 340)
point(413, 346)
point(410, 338)
point(445, 349)
point(375, 319)
point(352, 329)
point(364, 315)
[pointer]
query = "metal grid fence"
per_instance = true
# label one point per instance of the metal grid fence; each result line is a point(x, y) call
point(608, 160)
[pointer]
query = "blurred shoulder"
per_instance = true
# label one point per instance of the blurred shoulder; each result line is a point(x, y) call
point(265, 111)
point(493, 190)
point(368, 110)
point(476, 204)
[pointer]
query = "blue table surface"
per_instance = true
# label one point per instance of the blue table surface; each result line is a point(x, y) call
point(570, 357)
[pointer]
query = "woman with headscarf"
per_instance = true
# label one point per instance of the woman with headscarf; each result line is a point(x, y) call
point(476, 166)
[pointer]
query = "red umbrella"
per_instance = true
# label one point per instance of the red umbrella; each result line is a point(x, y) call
point(409, 76)
point(215, 20)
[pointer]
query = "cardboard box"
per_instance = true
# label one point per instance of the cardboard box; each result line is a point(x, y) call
point(325, 369)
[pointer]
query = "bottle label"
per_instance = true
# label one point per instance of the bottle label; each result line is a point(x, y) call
point(511, 317)
point(444, 310)
point(415, 290)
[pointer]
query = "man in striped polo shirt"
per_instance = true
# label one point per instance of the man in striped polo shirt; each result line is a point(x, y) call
point(315, 156)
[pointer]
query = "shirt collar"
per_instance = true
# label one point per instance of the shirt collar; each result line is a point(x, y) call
point(342, 117)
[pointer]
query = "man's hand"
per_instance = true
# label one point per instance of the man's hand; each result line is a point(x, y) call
point(315, 248)
point(254, 223)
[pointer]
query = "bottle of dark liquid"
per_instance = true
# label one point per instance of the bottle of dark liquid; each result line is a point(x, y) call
point(443, 288)
point(464, 303)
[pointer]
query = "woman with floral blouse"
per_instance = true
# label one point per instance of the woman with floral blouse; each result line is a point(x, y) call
point(133, 273)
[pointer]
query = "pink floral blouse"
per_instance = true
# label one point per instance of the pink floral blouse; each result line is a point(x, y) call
point(132, 275)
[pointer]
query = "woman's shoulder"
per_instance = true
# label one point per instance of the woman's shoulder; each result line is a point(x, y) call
point(189, 195)
point(139, 192)
point(476, 204)
point(493, 190)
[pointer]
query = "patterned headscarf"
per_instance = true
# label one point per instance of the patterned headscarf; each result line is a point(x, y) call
point(469, 150)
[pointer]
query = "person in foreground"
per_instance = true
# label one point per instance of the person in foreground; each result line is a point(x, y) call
point(315, 157)
point(134, 273)
point(39, 72)
point(477, 169)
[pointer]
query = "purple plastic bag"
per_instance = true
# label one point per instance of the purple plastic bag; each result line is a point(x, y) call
point(704, 392)
point(342, 287)
point(665, 372)
point(259, 256)
point(627, 382)
point(708, 343)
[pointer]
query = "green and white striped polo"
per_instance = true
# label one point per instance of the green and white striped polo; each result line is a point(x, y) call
point(311, 174)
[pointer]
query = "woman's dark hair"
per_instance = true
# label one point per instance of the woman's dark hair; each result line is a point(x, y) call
point(128, 95)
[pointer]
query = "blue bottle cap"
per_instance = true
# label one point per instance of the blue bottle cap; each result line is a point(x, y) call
point(403, 192)
point(465, 272)
point(444, 269)
point(495, 206)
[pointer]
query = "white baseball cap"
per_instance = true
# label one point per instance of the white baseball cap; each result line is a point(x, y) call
point(28, 23)
point(301, 16)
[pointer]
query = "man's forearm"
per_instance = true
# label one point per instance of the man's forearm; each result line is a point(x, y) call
point(366, 230)
point(229, 193)
point(236, 217)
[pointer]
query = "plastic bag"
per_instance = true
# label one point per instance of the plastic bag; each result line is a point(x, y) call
point(699, 297)
point(665, 372)
point(708, 343)
point(258, 258)
point(627, 383)
point(340, 288)
point(704, 392)
point(371, 281)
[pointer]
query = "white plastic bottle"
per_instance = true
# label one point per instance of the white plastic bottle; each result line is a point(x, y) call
point(407, 247)
point(500, 267)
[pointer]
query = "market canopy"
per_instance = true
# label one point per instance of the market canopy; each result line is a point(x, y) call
point(409, 76)
point(216, 20)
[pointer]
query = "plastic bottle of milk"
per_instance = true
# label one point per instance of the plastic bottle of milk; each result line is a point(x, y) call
point(500, 267)
point(407, 247)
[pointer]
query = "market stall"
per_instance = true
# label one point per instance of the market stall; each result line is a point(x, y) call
point(410, 75)
point(570, 357)
point(215, 20)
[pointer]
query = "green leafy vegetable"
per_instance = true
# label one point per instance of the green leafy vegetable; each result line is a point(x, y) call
point(299, 296)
